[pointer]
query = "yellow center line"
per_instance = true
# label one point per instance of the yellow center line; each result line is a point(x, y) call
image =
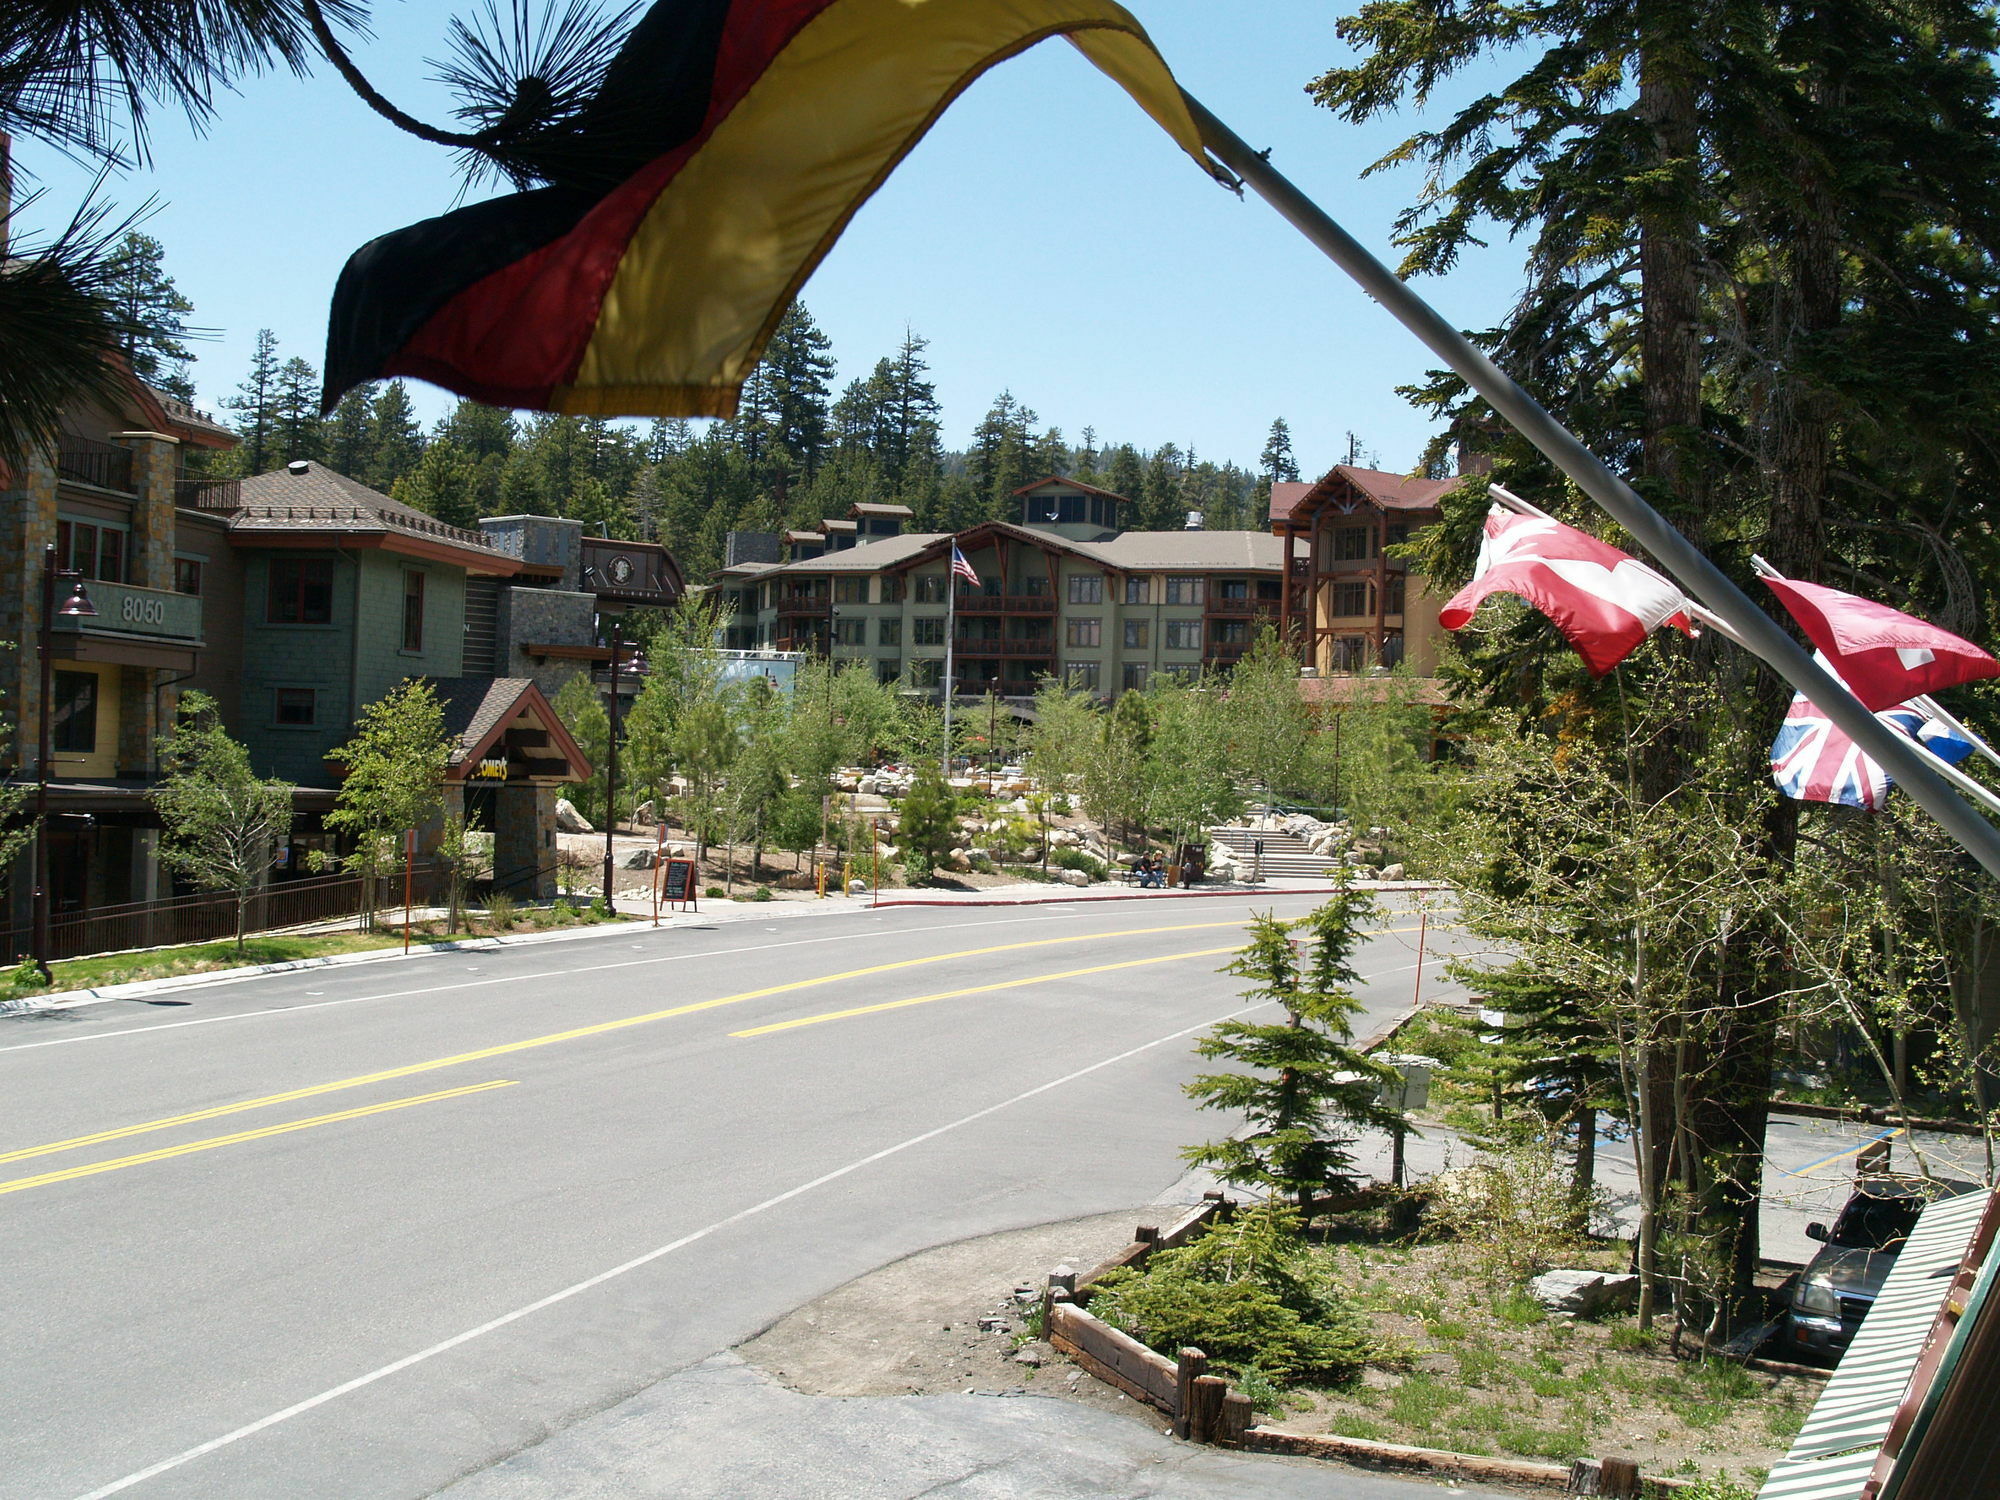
point(978, 989)
point(20, 1184)
point(458, 1059)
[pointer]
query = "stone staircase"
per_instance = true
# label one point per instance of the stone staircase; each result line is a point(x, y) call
point(1286, 855)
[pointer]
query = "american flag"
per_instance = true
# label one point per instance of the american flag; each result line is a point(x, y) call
point(963, 568)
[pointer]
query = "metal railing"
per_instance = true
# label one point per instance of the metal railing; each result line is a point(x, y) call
point(1243, 606)
point(211, 915)
point(209, 494)
point(87, 461)
point(970, 603)
point(974, 646)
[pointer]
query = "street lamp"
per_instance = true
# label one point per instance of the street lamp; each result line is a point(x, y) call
point(611, 769)
point(75, 606)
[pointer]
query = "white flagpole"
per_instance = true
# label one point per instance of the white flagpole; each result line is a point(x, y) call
point(950, 644)
point(1931, 709)
point(1698, 576)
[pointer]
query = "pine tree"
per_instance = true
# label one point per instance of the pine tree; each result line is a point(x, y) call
point(295, 424)
point(927, 823)
point(151, 315)
point(1276, 462)
point(443, 484)
point(256, 400)
point(1302, 1081)
point(396, 441)
point(348, 435)
point(799, 364)
point(997, 464)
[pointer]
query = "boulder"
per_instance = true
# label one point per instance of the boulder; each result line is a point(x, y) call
point(1067, 838)
point(868, 786)
point(1392, 872)
point(569, 820)
point(642, 814)
point(1072, 877)
point(638, 859)
point(1584, 1294)
point(857, 887)
point(978, 854)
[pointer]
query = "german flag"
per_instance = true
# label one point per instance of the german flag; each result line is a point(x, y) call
point(726, 149)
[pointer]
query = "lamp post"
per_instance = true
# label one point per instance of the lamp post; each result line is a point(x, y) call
point(611, 764)
point(76, 605)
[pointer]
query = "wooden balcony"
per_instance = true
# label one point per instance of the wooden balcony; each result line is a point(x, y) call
point(104, 466)
point(806, 605)
point(1237, 608)
point(1006, 604)
point(969, 646)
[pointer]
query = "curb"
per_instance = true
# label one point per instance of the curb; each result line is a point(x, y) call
point(1312, 890)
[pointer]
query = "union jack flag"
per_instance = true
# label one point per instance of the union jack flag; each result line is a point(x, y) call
point(1813, 761)
point(963, 568)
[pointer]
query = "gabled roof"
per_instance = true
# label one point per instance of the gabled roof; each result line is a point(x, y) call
point(870, 508)
point(831, 524)
point(1376, 486)
point(1073, 484)
point(1197, 551)
point(479, 710)
point(871, 556)
point(310, 500)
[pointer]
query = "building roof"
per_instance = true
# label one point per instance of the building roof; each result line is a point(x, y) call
point(832, 524)
point(1389, 491)
point(870, 556)
point(196, 427)
point(478, 710)
point(870, 508)
point(805, 536)
point(1073, 484)
point(1150, 551)
point(311, 498)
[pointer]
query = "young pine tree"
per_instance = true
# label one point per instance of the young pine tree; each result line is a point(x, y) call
point(223, 823)
point(1302, 1082)
point(928, 825)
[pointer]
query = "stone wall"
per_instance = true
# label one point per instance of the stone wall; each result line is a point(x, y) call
point(547, 617)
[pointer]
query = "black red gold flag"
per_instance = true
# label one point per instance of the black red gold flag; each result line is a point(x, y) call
point(738, 139)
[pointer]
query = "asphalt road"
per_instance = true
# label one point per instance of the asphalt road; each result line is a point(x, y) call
point(359, 1232)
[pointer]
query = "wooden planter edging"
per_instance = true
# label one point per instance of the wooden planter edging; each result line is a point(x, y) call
point(1204, 1410)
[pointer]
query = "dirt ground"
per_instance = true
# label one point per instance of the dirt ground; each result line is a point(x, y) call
point(1476, 1372)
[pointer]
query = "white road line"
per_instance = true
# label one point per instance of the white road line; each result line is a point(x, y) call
point(397, 1366)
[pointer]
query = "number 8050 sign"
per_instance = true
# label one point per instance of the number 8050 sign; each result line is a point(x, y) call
point(135, 609)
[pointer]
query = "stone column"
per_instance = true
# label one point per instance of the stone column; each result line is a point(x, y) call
point(26, 528)
point(155, 463)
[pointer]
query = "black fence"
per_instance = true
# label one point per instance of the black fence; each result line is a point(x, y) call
point(211, 915)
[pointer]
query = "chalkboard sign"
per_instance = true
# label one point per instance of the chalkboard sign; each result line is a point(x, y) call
point(678, 881)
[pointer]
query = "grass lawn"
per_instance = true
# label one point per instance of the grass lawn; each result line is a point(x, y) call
point(1489, 1371)
point(205, 958)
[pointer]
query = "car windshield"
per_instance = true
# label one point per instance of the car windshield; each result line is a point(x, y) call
point(1876, 1223)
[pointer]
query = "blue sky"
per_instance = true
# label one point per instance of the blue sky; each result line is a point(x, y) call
point(1046, 238)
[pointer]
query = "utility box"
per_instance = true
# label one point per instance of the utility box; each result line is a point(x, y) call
point(1414, 1089)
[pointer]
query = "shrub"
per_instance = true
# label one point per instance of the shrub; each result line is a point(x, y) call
point(1252, 1295)
point(762, 893)
point(23, 976)
point(715, 893)
point(562, 913)
point(1076, 859)
point(500, 912)
point(1517, 1206)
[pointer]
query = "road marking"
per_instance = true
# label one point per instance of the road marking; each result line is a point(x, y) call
point(438, 989)
point(978, 989)
point(1813, 1166)
point(396, 1367)
point(503, 1049)
point(67, 1174)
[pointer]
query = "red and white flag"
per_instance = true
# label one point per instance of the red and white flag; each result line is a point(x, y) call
point(1885, 656)
point(1605, 602)
point(963, 568)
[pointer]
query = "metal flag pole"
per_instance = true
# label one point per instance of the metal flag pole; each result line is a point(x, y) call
point(950, 643)
point(1709, 585)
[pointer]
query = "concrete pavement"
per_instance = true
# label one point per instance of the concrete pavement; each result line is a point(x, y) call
point(364, 1231)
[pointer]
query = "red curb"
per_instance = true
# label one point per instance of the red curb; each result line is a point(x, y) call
point(1323, 890)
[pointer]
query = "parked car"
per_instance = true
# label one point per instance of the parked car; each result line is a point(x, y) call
point(1834, 1292)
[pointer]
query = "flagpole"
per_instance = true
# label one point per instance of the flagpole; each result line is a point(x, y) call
point(950, 644)
point(1711, 587)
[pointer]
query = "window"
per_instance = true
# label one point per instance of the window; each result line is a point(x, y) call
point(1392, 650)
point(91, 549)
point(1184, 590)
point(930, 588)
point(1396, 594)
point(1231, 633)
point(850, 591)
point(1088, 631)
point(1350, 543)
point(297, 706)
point(1086, 588)
point(301, 591)
point(1268, 588)
point(1138, 590)
point(1398, 534)
point(413, 610)
point(187, 575)
point(1350, 599)
point(1183, 673)
point(892, 589)
point(887, 669)
point(850, 632)
point(1350, 653)
point(889, 633)
point(928, 630)
point(1081, 674)
point(1183, 635)
point(1135, 676)
point(73, 713)
point(1136, 632)
point(1232, 588)
point(926, 671)
point(1035, 586)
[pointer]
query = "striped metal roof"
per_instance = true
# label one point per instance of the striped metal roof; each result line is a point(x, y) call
point(1835, 1451)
